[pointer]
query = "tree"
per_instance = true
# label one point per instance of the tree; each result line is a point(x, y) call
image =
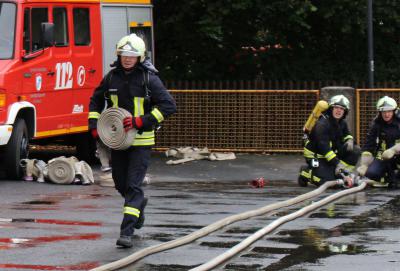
point(276, 39)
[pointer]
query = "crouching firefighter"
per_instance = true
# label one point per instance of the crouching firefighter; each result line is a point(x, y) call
point(132, 85)
point(380, 158)
point(329, 148)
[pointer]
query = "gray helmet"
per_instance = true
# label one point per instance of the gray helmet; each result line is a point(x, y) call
point(386, 104)
point(131, 45)
point(340, 100)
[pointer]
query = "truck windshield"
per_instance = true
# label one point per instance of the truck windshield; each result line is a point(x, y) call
point(7, 29)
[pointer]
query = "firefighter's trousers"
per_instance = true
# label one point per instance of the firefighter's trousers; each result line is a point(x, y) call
point(380, 170)
point(128, 171)
point(326, 171)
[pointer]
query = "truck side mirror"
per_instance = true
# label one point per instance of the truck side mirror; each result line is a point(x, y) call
point(46, 40)
point(47, 34)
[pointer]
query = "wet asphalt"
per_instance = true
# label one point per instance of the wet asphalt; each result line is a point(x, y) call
point(73, 227)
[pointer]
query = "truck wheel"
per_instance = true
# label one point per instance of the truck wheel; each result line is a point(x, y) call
point(17, 149)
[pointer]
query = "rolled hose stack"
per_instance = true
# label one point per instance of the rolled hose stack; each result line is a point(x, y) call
point(61, 170)
point(111, 129)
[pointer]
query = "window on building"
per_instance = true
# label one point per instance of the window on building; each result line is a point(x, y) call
point(60, 26)
point(81, 26)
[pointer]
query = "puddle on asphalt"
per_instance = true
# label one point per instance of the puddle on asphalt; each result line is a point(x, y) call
point(162, 237)
point(219, 244)
point(80, 266)
point(176, 196)
point(9, 243)
point(222, 185)
point(166, 267)
point(51, 202)
point(51, 221)
point(39, 202)
point(72, 196)
point(312, 243)
point(36, 205)
point(177, 226)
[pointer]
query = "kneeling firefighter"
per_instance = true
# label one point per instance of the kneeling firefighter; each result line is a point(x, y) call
point(380, 158)
point(329, 148)
point(135, 86)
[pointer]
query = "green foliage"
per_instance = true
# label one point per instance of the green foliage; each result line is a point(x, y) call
point(291, 39)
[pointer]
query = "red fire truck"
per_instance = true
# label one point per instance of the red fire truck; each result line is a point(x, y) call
point(52, 55)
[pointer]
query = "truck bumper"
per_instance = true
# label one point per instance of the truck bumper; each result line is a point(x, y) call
point(5, 134)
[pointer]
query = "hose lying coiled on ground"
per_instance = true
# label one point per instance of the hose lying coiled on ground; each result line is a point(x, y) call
point(212, 228)
point(276, 223)
point(111, 129)
point(61, 170)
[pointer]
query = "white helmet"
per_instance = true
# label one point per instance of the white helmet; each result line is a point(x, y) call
point(131, 45)
point(340, 100)
point(386, 104)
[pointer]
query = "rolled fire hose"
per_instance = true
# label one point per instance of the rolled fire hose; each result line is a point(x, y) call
point(61, 170)
point(211, 228)
point(276, 223)
point(111, 129)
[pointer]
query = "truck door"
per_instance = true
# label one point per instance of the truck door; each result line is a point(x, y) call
point(47, 76)
point(60, 79)
point(87, 61)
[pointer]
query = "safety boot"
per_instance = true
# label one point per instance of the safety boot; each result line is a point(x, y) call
point(140, 220)
point(302, 180)
point(125, 241)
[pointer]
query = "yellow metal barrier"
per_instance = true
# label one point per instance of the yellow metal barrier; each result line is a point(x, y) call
point(366, 108)
point(238, 120)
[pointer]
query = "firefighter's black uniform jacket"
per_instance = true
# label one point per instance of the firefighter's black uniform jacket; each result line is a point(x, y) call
point(327, 138)
point(382, 135)
point(131, 95)
point(326, 145)
point(129, 166)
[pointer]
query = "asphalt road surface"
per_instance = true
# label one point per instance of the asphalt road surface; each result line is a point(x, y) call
point(58, 227)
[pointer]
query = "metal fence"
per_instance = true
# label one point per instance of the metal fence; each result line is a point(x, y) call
point(270, 84)
point(366, 108)
point(238, 120)
point(254, 120)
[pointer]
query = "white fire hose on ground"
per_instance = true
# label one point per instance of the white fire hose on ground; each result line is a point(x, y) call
point(273, 225)
point(33, 169)
point(231, 219)
point(111, 129)
point(59, 170)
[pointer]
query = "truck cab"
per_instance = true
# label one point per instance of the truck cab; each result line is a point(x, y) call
point(52, 56)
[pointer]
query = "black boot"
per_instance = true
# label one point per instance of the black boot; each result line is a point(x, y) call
point(302, 180)
point(140, 221)
point(125, 241)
